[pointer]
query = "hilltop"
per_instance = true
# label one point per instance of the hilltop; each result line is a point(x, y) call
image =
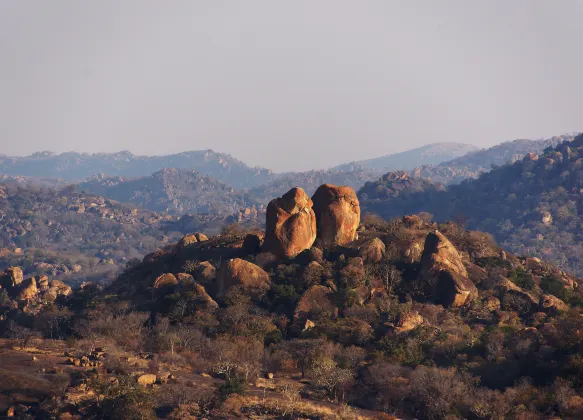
point(174, 191)
point(475, 163)
point(344, 318)
point(426, 155)
point(73, 235)
point(532, 206)
point(74, 167)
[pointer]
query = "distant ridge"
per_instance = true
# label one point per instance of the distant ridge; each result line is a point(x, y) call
point(430, 154)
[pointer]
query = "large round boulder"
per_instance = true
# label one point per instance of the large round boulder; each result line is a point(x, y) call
point(290, 224)
point(337, 214)
point(237, 272)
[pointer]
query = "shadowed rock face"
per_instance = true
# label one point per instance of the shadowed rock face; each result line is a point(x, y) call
point(290, 224)
point(337, 214)
point(443, 273)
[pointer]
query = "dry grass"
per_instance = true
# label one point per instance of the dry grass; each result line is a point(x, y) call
point(305, 408)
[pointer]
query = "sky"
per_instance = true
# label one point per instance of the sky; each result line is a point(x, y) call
point(287, 85)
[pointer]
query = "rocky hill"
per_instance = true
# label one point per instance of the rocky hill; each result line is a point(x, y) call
point(321, 316)
point(175, 191)
point(476, 163)
point(430, 154)
point(532, 206)
point(68, 234)
point(79, 166)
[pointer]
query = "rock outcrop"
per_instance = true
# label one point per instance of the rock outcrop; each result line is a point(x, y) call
point(290, 224)
point(337, 214)
point(443, 274)
point(237, 272)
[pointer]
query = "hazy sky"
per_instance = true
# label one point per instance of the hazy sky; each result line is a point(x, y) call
point(289, 85)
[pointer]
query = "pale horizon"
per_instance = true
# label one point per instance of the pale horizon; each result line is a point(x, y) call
point(285, 86)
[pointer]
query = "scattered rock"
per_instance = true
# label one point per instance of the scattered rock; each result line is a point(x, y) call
point(290, 224)
point(337, 214)
point(147, 379)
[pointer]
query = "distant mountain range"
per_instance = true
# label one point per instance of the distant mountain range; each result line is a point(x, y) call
point(76, 167)
point(430, 154)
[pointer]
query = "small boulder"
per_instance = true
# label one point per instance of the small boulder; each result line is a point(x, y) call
point(192, 238)
point(337, 214)
point(205, 273)
point(165, 280)
point(408, 322)
point(147, 379)
point(237, 272)
point(372, 251)
point(290, 224)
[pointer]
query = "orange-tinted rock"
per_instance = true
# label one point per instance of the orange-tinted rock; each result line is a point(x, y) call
point(237, 272)
point(205, 272)
point(408, 322)
point(337, 214)
point(203, 299)
point(165, 280)
point(28, 289)
point(372, 251)
point(192, 238)
point(12, 277)
point(290, 224)
point(60, 288)
point(552, 304)
point(443, 274)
